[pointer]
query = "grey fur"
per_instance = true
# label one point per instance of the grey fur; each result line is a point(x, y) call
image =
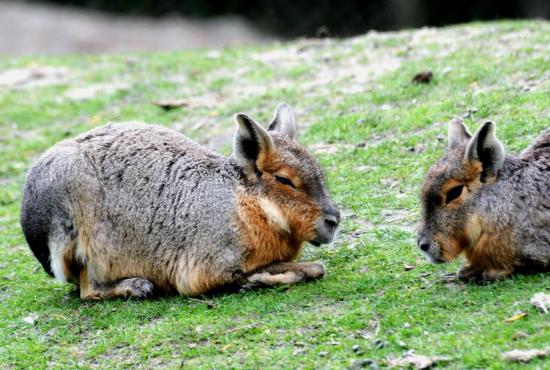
point(283, 121)
point(148, 201)
point(458, 134)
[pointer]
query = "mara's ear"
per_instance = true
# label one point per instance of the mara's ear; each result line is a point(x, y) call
point(487, 149)
point(252, 144)
point(458, 134)
point(284, 121)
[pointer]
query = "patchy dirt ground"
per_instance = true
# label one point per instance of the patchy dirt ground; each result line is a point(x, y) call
point(30, 28)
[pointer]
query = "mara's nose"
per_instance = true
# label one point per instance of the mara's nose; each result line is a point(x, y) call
point(423, 243)
point(332, 217)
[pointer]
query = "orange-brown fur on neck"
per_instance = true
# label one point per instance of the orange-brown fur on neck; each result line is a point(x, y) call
point(264, 242)
point(484, 248)
point(493, 249)
point(451, 247)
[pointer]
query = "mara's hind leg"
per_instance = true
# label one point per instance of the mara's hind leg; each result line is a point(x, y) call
point(285, 273)
point(130, 287)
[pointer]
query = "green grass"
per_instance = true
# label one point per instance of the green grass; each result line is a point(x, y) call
point(346, 92)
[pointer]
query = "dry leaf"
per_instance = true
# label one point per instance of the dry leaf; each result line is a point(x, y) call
point(390, 182)
point(519, 355)
point(516, 317)
point(244, 327)
point(396, 215)
point(418, 148)
point(520, 335)
point(423, 77)
point(33, 76)
point(365, 168)
point(227, 346)
point(9, 276)
point(368, 332)
point(171, 103)
point(92, 91)
point(541, 301)
point(417, 361)
point(31, 319)
point(323, 148)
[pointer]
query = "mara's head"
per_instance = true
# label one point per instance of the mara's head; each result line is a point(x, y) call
point(452, 188)
point(287, 179)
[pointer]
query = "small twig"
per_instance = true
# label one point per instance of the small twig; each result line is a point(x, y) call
point(377, 328)
point(249, 326)
point(209, 304)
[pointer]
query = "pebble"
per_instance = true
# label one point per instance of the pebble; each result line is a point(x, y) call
point(363, 363)
point(356, 348)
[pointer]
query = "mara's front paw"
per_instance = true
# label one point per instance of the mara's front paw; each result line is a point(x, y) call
point(473, 274)
point(470, 274)
point(314, 270)
point(266, 278)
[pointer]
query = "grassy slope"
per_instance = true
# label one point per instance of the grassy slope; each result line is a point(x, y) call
point(346, 93)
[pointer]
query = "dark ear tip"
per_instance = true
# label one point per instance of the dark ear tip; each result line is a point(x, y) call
point(241, 118)
point(488, 127)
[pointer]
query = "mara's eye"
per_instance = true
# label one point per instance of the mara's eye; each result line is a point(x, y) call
point(454, 193)
point(284, 180)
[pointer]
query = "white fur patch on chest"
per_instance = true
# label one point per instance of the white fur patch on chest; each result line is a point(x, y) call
point(274, 214)
point(473, 229)
point(57, 264)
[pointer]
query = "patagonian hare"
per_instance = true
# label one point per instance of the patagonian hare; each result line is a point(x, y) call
point(129, 210)
point(493, 206)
